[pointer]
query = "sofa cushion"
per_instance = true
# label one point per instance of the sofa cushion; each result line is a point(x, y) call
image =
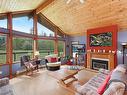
point(90, 88)
point(116, 88)
point(6, 90)
point(121, 67)
point(118, 76)
point(4, 81)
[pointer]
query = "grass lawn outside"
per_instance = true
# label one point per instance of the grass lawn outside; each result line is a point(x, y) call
point(18, 53)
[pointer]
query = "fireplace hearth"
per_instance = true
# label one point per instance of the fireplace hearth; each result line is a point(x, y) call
point(99, 63)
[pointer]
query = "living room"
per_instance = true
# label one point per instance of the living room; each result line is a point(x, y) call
point(63, 47)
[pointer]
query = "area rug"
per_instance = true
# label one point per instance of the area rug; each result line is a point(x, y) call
point(62, 73)
point(83, 75)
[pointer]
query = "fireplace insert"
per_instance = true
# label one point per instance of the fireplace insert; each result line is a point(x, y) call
point(97, 64)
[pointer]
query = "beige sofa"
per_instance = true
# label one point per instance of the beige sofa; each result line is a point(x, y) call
point(115, 86)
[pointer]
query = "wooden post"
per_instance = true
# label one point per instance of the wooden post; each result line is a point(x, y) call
point(56, 43)
point(35, 44)
point(64, 50)
point(9, 43)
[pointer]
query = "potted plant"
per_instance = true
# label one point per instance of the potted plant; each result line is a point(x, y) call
point(68, 58)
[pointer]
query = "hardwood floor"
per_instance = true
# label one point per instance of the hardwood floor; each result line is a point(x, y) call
point(38, 84)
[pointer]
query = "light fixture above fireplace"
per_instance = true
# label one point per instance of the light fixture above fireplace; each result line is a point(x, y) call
point(81, 1)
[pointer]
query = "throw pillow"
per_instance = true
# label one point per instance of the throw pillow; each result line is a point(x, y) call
point(101, 89)
point(53, 59)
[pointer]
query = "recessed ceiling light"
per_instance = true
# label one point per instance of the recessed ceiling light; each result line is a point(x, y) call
point(81, 1)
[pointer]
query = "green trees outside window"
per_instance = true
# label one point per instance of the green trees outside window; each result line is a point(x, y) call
point(2, 48)
point(22, 46)
point(45, 47)
point(61, 45)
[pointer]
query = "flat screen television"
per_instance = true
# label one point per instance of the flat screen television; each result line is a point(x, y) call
point(101, 39)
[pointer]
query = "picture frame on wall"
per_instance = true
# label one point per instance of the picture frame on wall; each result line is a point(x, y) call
point(74, 42)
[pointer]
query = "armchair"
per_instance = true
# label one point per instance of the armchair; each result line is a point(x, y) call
point(25, 61)
point(52, 63)
point(5, 88)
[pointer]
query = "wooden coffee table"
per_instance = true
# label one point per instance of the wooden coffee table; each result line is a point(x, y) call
point(68, 77)
point(64, 76)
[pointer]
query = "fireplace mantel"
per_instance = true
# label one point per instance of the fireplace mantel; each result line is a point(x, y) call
point(101, 55)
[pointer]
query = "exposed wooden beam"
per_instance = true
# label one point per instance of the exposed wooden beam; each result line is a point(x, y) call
point(43, 5)
point(35, 44)
point(55, 42)
point(9, 43)
point(51, 23)
point(16, 12)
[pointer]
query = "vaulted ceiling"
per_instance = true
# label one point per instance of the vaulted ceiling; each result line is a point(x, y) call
point(19, 5)
point(74, 18)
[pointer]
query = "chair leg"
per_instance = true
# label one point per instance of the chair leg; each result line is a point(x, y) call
point(37, 68)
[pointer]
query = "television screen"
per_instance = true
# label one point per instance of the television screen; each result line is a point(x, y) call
point(101, 39)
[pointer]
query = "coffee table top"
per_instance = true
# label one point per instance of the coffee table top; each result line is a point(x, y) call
point(65, 73)
point(62, 73)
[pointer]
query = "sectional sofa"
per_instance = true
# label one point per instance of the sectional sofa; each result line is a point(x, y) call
point(105, 83)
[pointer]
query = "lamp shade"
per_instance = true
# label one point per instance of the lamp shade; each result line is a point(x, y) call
point(123, 43)
point(37, 53)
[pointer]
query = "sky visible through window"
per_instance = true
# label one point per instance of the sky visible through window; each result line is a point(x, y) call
point(24, 24)
point(3, 23)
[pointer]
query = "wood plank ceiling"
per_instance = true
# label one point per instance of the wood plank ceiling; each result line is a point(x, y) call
point(19, 5)
point(75, 18)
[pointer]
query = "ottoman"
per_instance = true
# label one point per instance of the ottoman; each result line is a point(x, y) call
point(53, 66)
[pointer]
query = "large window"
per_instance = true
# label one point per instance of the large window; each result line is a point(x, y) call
point(3, 22)
point(2, 48)
point(43, 31)
point(23, 24)
point(46, 47)
point(22, 46)
point(61, 48)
